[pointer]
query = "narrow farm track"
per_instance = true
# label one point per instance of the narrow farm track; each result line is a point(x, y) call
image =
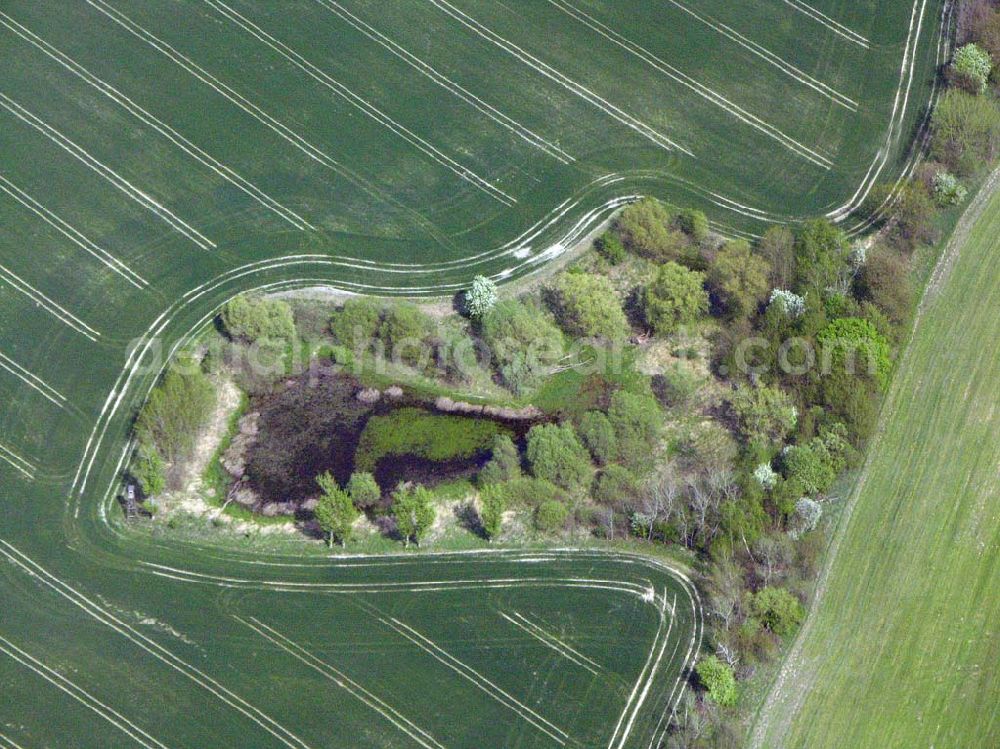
point(159, 158)
point(916, 552)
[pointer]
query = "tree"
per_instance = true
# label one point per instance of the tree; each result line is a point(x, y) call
point(973, 62)
point(965, 131)
point(843, 338)
point(248, 319)
point(718, 679)
point(587, 305)
point(644, 228)
point(913, 216)
point(493, 504)
point(778, 610)
point(504, 464)
point(405, 330)
point(676, 297)
point(807, 467)
point(615, 485)
point(523, 343)
point(414, 512)
point(481, 297)
point(176, 410)
point(363, 489)
point(884, 280)
point(556, 455)
point(765, 414)
point(149, 471)
point(637, 421)
point(335, 512)
point(739, 278)
point(694, 223)
point(821, 253)
point(610, 247)
point(551, 515)
point(777, 246)
point(357, 323)
point(947, 189)
point(598, 435)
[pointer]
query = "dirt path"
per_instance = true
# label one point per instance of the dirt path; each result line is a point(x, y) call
point(793, 682)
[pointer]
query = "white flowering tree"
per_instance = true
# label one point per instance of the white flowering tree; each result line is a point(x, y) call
point(481, 297)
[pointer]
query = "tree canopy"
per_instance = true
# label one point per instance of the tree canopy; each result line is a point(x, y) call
point(556, 455)
point(587, 305)
point(676, 297)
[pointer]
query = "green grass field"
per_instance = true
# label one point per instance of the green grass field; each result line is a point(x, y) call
point(901, 649)
point(161, 156)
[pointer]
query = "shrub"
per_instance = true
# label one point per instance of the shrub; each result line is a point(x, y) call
point(884, 281)
point(765, 476)
point(249, 319)
point(405, 330)
point(551, 516)
point(523, 341)
point(787, 303)
point(808, 512)
point(808, 467)
point(615, 485)
point(599, 437)
point(913, 216)
point(973, 62)
point(948, 190)
point(587, 305)
point(965, 131)
point(676, 297)
point(481, 297)
point(356, 324)
point(505, 463)
point(413, 512)
point(556, 455)
point(644, 228)
point(610, 247)
point(718, 680)
point(739, 278)
point(778, 610)
point(364, 491)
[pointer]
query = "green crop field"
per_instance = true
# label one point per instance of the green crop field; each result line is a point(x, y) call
point(158, 157)
point(902, 648)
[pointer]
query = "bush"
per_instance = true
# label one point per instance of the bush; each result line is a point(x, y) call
point(365, 492)
point(523, 341)
point(644, 228)
point(149, 471)
point(481, 297)
point(778, 610)
point(718, 680)
point(913, 216)
point(739, 278)
point(356, 324)
point(616, 485)
point(405, 331)
point(248, 319)
point(610, 247)
point(599, 437)
point(973, 62)
point(808, 468)
point(965, 131)
point(505, 463)
point(948, 190)
point(676, 297)
point(587, 305)
point(556, 455)
point(786, 303)
point(551, 516)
